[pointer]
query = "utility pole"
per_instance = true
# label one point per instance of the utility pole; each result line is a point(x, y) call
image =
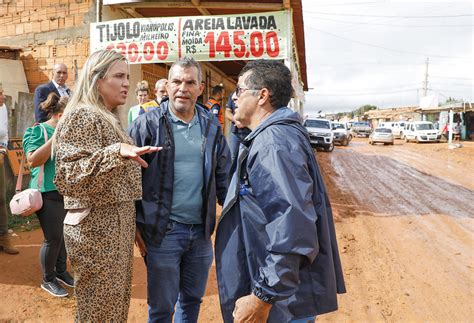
point(425, 83)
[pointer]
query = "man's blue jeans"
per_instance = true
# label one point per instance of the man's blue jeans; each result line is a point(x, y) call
point(233, 140)
point(179, 267)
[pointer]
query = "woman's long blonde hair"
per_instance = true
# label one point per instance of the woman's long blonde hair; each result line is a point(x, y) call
point(86, 93)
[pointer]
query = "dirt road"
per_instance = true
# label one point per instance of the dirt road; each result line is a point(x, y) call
point(406, 236)
point(404, 219)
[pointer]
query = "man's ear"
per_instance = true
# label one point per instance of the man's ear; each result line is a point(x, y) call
point(264, 97)
point(201, 88)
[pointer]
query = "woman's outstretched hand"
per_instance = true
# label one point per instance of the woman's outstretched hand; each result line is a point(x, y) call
point(134, 152)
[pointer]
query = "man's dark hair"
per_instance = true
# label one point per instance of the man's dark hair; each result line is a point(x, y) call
point(216, 90)
point(187, 62)
point(272, 75)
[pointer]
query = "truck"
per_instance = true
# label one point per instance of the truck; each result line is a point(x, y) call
point(361, 128)
point(342, 135)
point(320, 133)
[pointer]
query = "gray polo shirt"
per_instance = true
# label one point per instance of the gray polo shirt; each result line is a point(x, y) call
point(188, 170)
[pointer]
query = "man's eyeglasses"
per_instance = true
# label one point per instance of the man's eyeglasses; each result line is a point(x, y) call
point(239, 90)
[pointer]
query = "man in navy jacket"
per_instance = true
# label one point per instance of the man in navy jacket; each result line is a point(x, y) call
point(277, 258)
point(56, 85)
point(177, 215)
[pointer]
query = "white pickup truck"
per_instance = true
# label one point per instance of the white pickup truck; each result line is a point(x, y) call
point(320, 133)
point(342, 134)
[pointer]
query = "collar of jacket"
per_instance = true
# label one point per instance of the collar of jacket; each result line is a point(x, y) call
point(201, 110)
point(282, 115)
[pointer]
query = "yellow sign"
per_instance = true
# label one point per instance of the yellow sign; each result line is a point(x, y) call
point(15, 154)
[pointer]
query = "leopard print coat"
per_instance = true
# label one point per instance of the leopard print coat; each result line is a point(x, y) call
point(91, 174)
point(89, 169)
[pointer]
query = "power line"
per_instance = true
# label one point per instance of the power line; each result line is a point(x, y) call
point(452, 84)
point(345, 4)
point(368, 93)
point(385, 16)
point(382, 64)
point(446, 90)
point(453, 78)
point(386, 48)
point(391, 25)
point(357, 90)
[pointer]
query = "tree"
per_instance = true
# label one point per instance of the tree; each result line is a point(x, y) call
point(361, 110)
point(448, 101)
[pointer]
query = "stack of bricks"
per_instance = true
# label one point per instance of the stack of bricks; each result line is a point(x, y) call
point(48, 32)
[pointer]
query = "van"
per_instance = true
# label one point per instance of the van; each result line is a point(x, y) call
point(395, 126)
point(420, 131)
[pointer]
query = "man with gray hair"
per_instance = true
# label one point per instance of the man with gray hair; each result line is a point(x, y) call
point(276, 252)
point(56, 85)
point(160, 95)
point(177, 215)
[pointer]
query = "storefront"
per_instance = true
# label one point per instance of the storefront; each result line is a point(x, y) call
point(221, 35)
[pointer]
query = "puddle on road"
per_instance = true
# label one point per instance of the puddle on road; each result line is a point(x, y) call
point(387, 187)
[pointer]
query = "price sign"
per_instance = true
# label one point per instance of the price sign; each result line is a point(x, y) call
point(205, 38)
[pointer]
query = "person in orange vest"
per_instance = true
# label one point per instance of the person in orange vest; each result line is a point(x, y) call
point(214, 105)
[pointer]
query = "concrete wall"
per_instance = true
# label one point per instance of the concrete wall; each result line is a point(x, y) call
point(12, 77)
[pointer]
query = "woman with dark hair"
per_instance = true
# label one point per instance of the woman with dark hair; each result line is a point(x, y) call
point(37, 146)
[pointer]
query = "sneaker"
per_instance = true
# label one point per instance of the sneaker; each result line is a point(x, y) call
point(65, 278)
point(54, 288)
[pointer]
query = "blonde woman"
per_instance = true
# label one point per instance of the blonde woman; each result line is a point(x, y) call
point(142, 91)
point(98, 172)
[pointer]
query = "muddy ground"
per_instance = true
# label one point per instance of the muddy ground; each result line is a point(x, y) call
point(404, 220)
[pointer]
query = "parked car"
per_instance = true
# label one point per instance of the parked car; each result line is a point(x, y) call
point(342, 135)
point(395, 126)
point(381, 135)
point(421, 131)
point(320, 133)
point(361, 128)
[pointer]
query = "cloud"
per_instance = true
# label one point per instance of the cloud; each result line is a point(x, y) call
point(374, 53)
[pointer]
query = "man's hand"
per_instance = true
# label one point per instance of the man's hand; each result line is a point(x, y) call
point(140, 243)
point(134, 152)
point(251, 309)
point(238, 124)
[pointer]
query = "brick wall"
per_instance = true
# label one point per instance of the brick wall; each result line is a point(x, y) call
point(49, 32)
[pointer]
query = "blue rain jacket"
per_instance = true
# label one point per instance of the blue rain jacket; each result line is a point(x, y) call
point(154, 129)
point(276, 235)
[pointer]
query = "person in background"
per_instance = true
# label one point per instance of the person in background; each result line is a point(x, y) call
point(5, 243)
point(161, 94)
point(51, 215)
point(276, 251)
point(56, 85)
point(457, 132)
point(177, 214)
point(98, 172)
point(214, 103)
point(237, 134)
point(142, 91)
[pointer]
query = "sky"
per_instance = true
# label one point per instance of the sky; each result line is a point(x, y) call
point(374, 52)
